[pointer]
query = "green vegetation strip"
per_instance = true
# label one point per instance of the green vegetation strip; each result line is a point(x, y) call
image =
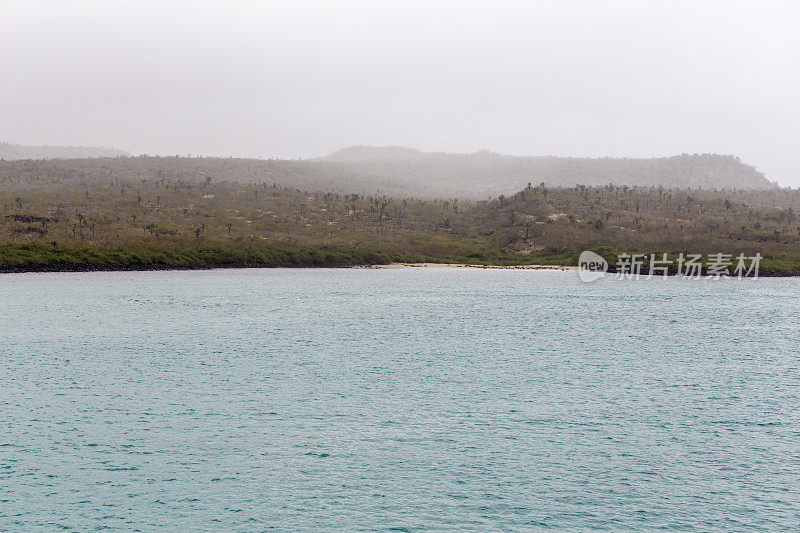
point(35, 257)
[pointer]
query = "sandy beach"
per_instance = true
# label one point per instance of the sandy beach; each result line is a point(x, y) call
point(471, 266)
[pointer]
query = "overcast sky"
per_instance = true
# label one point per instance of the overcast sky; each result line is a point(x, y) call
point(299, 79)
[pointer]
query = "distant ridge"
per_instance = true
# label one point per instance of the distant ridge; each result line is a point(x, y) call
point(375, 153)
point(488, 173)
point(10, 151)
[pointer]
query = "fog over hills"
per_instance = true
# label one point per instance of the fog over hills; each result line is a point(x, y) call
point(10, 151)
point(487, 173)
point(398, 171)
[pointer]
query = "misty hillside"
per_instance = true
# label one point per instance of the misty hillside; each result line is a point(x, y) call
point(397, 172)
point(487, 173)
point(10, 151)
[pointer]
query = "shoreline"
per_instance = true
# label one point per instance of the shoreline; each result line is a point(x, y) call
point(99, 267)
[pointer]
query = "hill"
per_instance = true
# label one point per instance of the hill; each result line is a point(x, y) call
point(10, 151)
point(96, 218)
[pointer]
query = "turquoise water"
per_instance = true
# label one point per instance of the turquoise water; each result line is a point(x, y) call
point(416, 399)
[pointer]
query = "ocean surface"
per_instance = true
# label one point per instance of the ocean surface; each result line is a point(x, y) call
point(397, 400)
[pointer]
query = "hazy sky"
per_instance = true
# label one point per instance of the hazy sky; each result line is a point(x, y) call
point(298, 79)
